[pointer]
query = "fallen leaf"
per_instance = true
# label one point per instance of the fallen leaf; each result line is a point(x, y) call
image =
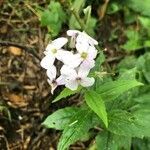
point(16, 101)
point(15, 50)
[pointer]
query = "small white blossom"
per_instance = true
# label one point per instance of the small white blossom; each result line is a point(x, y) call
point(77, 77)
point(77, 63)
point(87, 54)
point(53, 50)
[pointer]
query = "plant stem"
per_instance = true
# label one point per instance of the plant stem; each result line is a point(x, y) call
point(76, 15)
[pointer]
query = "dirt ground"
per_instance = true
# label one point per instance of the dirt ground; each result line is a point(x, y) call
point(24, 92)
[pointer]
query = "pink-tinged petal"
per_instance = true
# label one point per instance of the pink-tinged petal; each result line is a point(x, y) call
point(83, 71)
point(47, 61)
point(92, 53)
point(61, 80)
point(86, 82)
point(72, 85)
point(51, 73)
point(59, 42)
point(72, 32)
point(68, 72)
point(88, 64)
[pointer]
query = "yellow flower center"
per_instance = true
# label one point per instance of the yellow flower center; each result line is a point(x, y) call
point(78, 79)
point(84, 55)
point(54, 50)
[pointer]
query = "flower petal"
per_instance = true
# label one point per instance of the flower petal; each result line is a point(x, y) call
point(72, 32)
point(62, 54)
point(88, 64)
point(68, 72)
point(47, 61)
point(92, 52)
point(72, 60)
point(72, 85)
point(82, 46)
point(59, 42)
point(51, 73)
point(61, 80)
point(91, 40)
point(83, 71)
point(86, 82)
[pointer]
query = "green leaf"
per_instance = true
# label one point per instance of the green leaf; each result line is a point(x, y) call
point(113, 8)
point(80, 124)
point(77, 6)
point(128, 74)
point(96, 103)
point(65, 93)
point(111, 90)
point(134, 41)
point(144, 99)
point(140, 6)
point(109, 141)
point(135, 123)
point(60, 118)
point(53, 18)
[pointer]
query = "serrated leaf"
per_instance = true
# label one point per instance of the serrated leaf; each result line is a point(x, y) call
point(135, 123)
point(109, 141)
point(96, 103)
point(65, 93)
point(60, 118)
point(80, 123)
point(111, 90)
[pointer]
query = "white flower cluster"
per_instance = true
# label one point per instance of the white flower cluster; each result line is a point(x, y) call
point(76, 63)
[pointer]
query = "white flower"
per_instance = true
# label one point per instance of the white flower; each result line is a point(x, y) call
point(51, 73)
point(87, 54)
point(53, 50)
point(75, 78)
point(84, 37)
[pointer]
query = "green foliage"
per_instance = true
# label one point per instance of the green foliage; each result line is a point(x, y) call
point(111, 90)
point(5, 110)
point(134, 40)
point(139, 6)
point(60, 118)
point(134, 123)
point(107, 140)
point(65, 93)
point(88, 21)
point(77, 6)
point(96, 103)
point(80, 123)
point(53, 18)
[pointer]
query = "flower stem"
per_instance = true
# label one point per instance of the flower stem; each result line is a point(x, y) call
point(76, 15)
